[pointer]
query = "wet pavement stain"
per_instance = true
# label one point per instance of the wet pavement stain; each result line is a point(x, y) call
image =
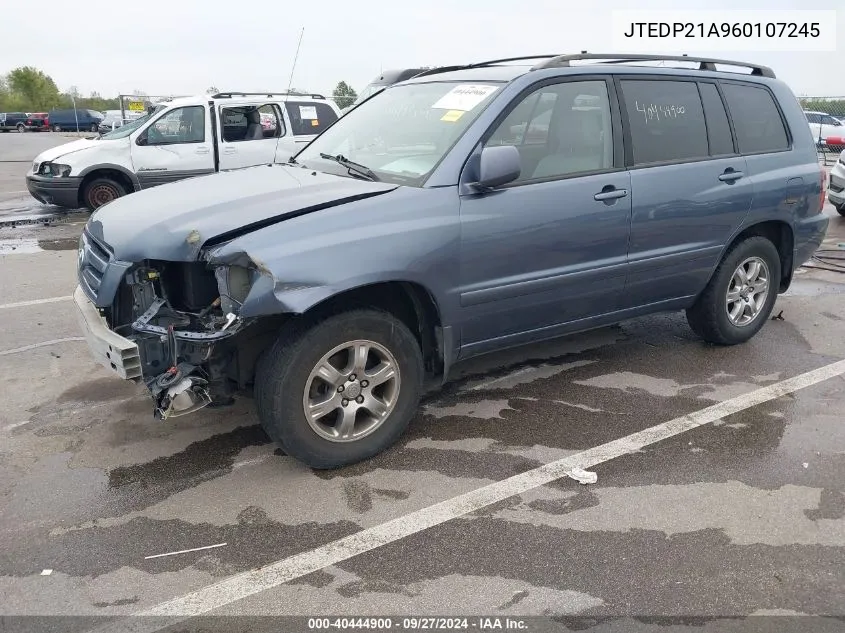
point(831, 506)
point(685, 574)
point(579, 501)
point(452, 463)
point(358, 495)
point(117, 603)
point(252, 542)
point(60, 244)
point(201, 461)
point(99, 390)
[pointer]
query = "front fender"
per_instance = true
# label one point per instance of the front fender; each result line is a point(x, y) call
point(411, 236)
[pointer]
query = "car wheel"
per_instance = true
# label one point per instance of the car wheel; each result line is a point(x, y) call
point(57, 128)
point(21, 128)
point(741, 293)
point(840, 209)
point(100, 191)
point(94, 127)
point(339, 390)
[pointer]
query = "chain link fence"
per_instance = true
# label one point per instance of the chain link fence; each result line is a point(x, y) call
point(826, 118)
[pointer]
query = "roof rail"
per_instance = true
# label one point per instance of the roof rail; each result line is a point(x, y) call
point(286, 93)
point(704, 63)
point(491, 62)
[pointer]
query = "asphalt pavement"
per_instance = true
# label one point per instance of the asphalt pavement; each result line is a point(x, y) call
point(719, 505)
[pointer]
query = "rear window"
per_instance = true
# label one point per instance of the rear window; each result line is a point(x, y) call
point(666, 121)
point(757, 121)
point(308, 117)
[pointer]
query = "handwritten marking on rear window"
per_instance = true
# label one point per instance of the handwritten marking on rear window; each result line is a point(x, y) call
point(659, 112)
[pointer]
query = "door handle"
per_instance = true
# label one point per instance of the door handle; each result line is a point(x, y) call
point(230, 150)
point(731, 176)
point(611, 194)
point(202, 150)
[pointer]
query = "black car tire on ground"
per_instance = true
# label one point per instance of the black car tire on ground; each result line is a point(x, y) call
point(840, 209)
point(57, 128)
point(282, 377)
point(100, 191)
point(21, 128)
point(94, 127)
point(708, 317)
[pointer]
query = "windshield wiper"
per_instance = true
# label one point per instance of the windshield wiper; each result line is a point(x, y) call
point(353, 168)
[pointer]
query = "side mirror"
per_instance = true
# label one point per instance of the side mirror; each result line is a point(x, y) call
point(498, 166)
point(142, 140)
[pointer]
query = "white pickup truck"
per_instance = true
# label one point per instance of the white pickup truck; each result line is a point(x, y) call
point(185, 137)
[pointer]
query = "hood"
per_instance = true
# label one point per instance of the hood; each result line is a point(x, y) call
point(173, 222)
point(68, 148)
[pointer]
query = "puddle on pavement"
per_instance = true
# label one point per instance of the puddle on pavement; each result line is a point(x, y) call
point(27, 246)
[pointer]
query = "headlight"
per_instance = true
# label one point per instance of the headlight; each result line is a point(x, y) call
point(54, 169)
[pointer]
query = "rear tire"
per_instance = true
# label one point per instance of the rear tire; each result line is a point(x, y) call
point(288, 384)
point(731, 311)
point(94, 127)
point(57, 128)
point(840, 209)
point(21, 128)
point(101, 191)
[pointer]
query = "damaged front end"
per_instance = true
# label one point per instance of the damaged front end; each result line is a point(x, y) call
point(183, 317)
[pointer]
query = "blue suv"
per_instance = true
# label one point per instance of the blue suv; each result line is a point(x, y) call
point(469, 209)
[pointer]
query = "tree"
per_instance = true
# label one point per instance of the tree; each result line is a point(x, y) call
point(344, 95)
point(36, 89)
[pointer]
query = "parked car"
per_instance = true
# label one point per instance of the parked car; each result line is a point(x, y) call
point(112, 120)
point(416, 231)
point(92, 172)
point(20, 122)
point(836, 187)
point(79, 120)
point(824, 125)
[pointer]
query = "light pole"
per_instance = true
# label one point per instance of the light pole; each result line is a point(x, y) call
point(75, 115)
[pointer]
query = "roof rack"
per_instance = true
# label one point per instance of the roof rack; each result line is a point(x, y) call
point(704, 63)
point(286, 93)
point(490, 62)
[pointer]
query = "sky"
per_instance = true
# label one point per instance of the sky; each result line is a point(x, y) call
point(183, 47)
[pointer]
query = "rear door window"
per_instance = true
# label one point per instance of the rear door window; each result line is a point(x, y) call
point(757, 121)
point(308, 117)
point(665, 121)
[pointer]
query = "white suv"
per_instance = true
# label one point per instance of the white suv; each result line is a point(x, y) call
point(184, 137)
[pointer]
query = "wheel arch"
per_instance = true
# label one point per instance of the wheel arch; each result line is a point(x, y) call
point(115, 172)
point(780, 234)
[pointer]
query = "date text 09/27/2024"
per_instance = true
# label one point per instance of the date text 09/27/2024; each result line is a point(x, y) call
point(419, 624)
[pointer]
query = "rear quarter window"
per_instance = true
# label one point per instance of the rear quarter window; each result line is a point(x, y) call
point(757, 121)
point(309, 117)
point(665, 120)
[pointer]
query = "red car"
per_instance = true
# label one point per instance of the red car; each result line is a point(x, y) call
point(37, 122)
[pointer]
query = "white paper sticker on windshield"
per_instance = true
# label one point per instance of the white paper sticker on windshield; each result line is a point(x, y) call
point(308, 112)
point(464, 97)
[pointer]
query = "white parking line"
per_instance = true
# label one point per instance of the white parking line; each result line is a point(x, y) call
point(26, 348)
point(274, 574)
point(34, 302)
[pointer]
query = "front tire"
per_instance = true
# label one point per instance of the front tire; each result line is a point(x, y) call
point(94, 127)
point(340, 390)
point(21, 128)
point(840, 209)
point(57, 128)
point(100, 191)
point(741, 293)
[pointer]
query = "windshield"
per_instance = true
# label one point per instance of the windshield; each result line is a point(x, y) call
point(402, 133)
point(126, 130)
point(370, 90)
